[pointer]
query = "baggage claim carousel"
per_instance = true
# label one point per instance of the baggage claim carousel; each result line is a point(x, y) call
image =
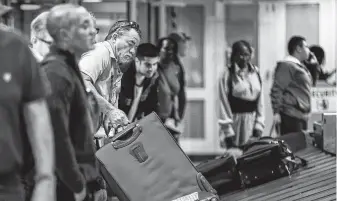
point(317, 181)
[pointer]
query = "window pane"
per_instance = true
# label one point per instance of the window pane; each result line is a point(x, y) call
point(142, 20)
point(106, 14)
point(194, 120)
point(302, 19)
point(105, 20)
point(241, 24)
point(190, 20)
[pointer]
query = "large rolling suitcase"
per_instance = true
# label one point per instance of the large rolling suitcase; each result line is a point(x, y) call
point(144, 163)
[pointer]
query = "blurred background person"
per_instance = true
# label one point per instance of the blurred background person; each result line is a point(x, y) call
point(3, 11)
point(181, 40)
point(321, 72)
point(172, 97)
point(138, 96)
point(96, 28)
point(72, 30)
point(25, 125)
point(241, 102)
point(39, 37)
point(313, 65)
point(291, 91)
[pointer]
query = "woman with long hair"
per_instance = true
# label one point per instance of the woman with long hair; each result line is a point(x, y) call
point(241, 101)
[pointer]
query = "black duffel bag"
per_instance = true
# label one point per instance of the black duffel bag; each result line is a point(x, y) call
point(221, 173)
point(266, 159)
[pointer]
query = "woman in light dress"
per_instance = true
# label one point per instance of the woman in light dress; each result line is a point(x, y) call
point(241, 99)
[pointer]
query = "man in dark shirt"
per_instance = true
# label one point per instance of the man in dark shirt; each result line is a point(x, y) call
point(72, 30)
point(24, 121)
point(138, 96)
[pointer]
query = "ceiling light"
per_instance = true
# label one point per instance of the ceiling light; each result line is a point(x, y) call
point(173, 4)
point(92, 1)
point(30, 7)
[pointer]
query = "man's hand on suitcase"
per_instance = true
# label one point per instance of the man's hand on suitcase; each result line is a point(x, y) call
point(113, 119)
point(81, 195)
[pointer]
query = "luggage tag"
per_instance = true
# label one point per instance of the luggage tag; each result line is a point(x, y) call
point(195, 197)
point(191, 197)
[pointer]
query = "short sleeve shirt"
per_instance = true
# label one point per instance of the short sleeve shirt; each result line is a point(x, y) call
point(100, 65)
point(21, 82)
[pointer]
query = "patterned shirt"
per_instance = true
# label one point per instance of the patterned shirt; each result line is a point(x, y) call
point(101, 66)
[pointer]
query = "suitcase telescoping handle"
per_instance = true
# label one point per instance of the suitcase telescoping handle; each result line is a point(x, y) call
point(126, 136)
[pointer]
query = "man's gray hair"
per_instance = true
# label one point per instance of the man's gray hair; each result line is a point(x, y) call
point(61, 16)
point(38, 26)
point(121, 26)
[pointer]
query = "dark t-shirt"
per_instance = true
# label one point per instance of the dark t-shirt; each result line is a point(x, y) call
point(21, 82)
point(70, 115)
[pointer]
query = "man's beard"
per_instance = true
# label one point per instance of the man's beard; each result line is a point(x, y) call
point(125, 60)
point(124, 63)
point(123, 67)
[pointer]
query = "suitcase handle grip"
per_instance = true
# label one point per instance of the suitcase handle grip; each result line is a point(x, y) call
point(204, 185)
point(131, 133)
point(124, 132)
point(254, 143)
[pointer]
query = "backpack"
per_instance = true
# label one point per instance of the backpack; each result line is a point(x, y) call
point(266, 159)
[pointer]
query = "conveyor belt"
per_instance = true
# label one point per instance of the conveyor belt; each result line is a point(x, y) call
point(316, 182)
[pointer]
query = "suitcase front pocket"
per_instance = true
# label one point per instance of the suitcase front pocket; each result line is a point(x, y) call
point(137, 150)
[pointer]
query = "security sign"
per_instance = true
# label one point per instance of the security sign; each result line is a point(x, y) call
point(323, 99)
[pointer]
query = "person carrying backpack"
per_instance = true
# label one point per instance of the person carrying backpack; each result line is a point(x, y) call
point(241, 105)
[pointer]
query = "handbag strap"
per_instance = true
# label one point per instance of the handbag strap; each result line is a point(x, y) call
point(303, 161)
point(276, 127)
point(297, 165)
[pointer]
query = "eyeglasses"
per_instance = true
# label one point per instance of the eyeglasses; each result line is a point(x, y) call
point(45, 41)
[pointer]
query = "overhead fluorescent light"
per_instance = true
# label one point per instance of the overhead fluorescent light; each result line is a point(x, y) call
point(174, 4)
point(30, 7)
point(92, 1)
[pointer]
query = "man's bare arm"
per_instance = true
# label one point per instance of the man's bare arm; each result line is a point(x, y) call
point(40, 135)
point(103, 104)
point(112, 115)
